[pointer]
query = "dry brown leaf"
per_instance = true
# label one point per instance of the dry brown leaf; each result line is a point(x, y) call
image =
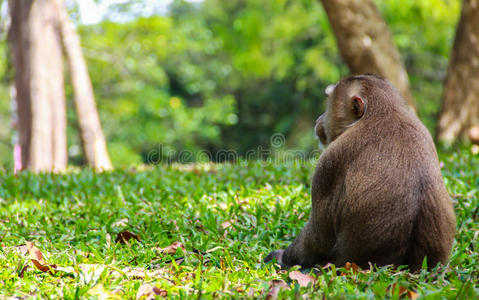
point(38, 260)
point(124, 236)
point(149, 292)
point(171, 249)
point(34, 252)
point(222, 264)
point(412, 295)
point(350, 267)
point(403, 291)
point(303, 279)
point(276, 285)
point(36, 256)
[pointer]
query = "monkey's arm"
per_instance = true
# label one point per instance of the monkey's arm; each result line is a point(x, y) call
point(306, 250)
point(314, 245)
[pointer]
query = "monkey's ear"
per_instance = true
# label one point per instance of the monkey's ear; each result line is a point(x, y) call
point(329, 89)
point(357, 106)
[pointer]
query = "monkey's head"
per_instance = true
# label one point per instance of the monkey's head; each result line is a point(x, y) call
point(351, 100)
point(345, 106)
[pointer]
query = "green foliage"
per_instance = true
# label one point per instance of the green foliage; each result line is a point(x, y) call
point(229, 74)
point(149, 92)
point(70, 218)
point(243, 70)
point(221, 75)
point(424, 32)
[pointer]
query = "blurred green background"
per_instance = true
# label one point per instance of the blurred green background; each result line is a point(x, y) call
point(229, 74)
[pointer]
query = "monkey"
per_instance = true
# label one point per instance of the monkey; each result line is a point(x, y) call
point(377, 193)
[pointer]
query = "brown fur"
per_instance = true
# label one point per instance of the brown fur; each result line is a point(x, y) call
point(377, 193)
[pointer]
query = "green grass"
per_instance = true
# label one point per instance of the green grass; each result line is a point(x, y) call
point(75, 218)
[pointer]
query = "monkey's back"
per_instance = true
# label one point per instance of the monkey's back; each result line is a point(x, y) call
point(393, 209)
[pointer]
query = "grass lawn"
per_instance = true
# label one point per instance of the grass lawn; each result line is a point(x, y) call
point(226, 217)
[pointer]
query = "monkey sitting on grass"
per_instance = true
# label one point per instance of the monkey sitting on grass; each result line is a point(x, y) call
point(377, 192)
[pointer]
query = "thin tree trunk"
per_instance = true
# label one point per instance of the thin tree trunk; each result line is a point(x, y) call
point(18, 36)
point(460, 104)
point(93, 140)
point(36, 48)
point(365, 42)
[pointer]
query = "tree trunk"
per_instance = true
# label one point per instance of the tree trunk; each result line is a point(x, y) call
point(36, 49)
point(460, 104)
point(365, 42)
point(93, 140)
